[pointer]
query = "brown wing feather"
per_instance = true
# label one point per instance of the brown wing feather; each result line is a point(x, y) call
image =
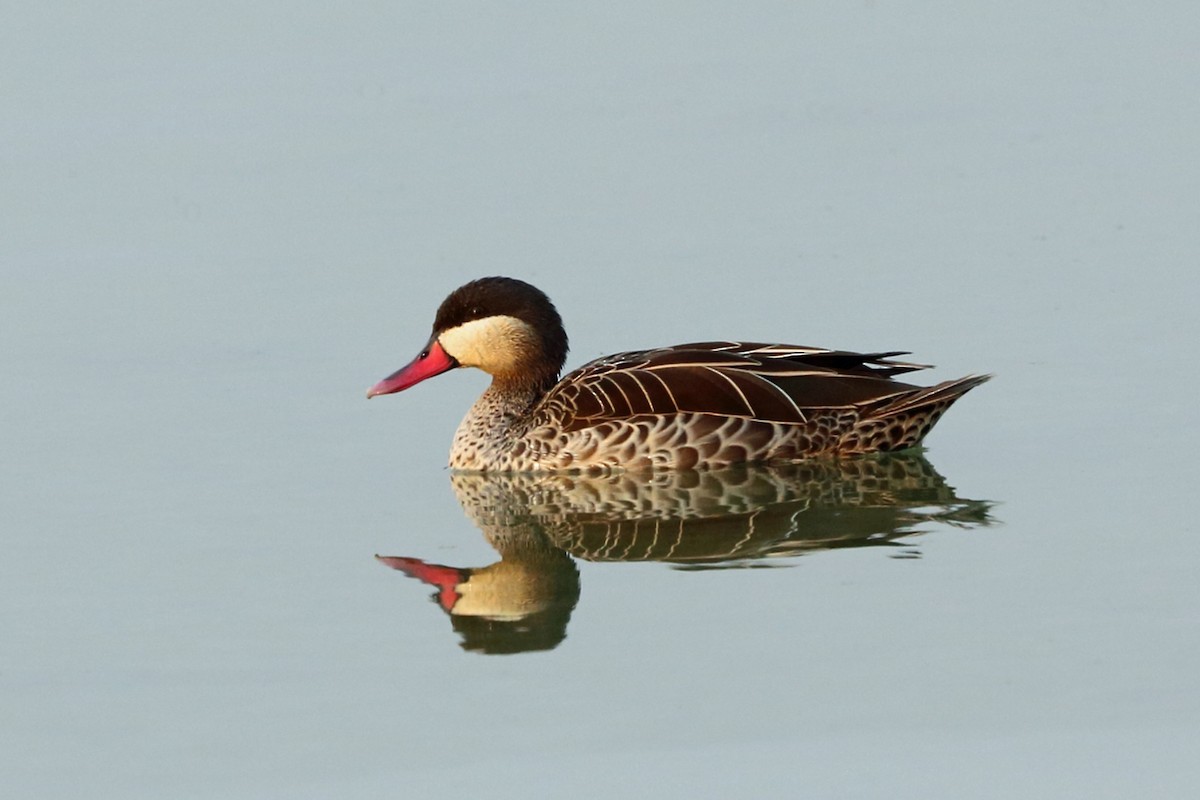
point(843, 360)
point(770, 382)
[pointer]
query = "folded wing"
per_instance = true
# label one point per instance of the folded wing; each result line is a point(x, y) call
point(769, 382)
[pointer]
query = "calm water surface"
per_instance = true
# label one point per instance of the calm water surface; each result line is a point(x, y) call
point(227, 574)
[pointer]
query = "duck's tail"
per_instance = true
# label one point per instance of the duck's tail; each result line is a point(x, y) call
point(902, 421)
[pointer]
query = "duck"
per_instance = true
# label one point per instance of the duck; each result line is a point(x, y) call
point(689, 406)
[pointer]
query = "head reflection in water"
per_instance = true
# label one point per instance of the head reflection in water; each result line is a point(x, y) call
point(519, 604)
point(691, 519)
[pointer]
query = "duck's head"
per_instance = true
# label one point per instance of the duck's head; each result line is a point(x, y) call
point(503, 326)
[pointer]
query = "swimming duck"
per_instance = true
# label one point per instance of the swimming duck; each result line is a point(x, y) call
point(700, 405)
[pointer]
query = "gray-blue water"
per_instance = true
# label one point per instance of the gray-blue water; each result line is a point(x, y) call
point(222, 224)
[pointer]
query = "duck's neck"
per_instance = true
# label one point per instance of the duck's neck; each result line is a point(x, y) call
point(490, 431)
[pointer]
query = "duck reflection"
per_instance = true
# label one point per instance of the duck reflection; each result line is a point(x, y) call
point(519, 604)
point(734, 517)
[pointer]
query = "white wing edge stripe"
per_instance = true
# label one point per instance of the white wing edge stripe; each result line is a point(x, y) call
point(593, 393)
point(670, 394)
point(791, 400)
point(800, 373)
point(736, 388)
point(628, 402)
point(767, 370)
point(688, 364)
point(783, 352)
point(637, 379)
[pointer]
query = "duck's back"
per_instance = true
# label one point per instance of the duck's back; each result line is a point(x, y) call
point(719, 403)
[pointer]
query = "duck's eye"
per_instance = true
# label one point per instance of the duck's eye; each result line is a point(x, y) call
point(424, 353)
point(476, 311)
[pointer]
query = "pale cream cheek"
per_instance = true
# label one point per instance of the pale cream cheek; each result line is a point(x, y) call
point(493, 344)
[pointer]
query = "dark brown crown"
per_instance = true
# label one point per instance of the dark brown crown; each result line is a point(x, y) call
point(499, 296)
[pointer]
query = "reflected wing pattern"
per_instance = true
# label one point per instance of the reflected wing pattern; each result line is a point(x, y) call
point(699, 519)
